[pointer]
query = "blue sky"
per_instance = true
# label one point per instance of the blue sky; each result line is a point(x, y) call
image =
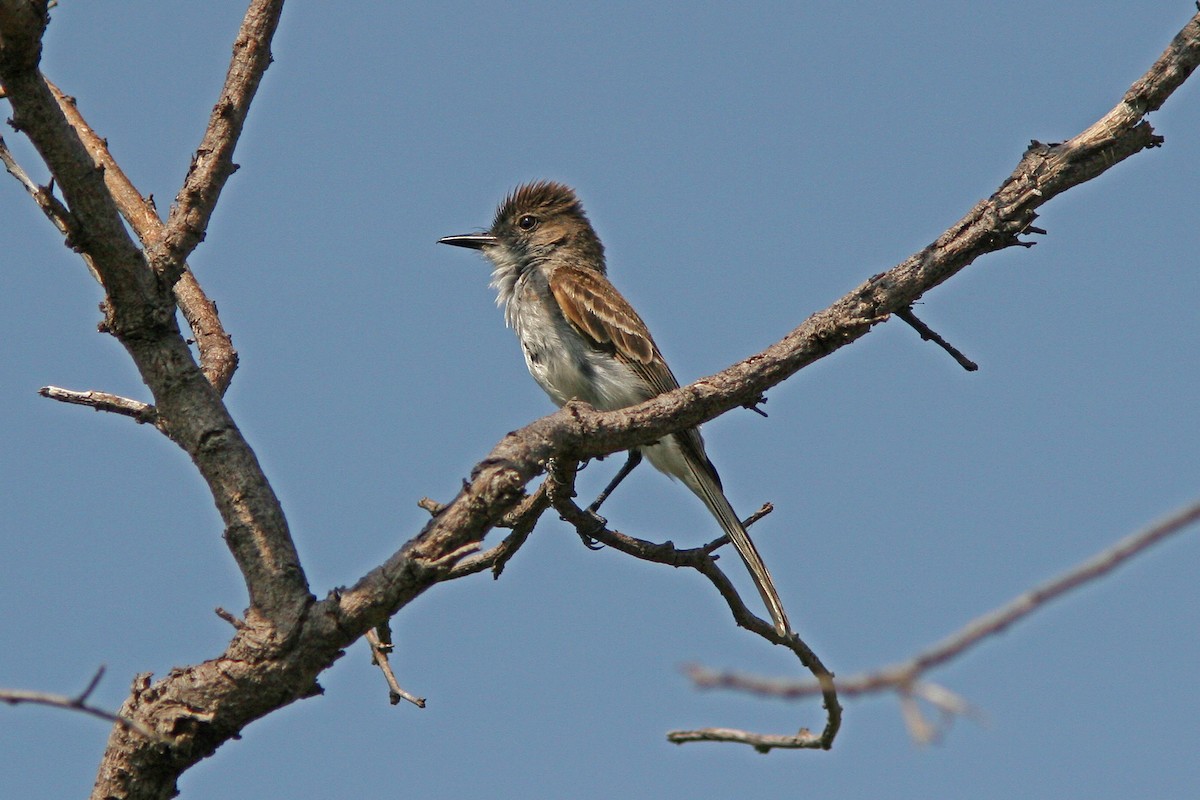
point(744, 168)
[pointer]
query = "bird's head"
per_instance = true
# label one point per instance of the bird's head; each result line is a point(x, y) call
point(538, 222)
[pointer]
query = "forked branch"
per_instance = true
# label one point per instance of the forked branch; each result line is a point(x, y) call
point(561, 490)
point(907, 678)
point(218, 359)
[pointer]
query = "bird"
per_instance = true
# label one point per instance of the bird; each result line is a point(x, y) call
point(583, 340)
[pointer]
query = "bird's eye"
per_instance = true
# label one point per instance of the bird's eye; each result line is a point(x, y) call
point(527, 222)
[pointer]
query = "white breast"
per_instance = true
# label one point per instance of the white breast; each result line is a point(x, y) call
point(559, 358)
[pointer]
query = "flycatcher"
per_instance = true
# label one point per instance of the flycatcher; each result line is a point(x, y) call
point(583, 340)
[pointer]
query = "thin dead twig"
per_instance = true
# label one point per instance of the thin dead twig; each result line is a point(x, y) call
point(77, 703)
point(521, 520)
point(561, 490)
point(380, 640)
point(103, 401)
point(906, 678)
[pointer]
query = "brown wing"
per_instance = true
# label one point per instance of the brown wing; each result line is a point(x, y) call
point(600, 314)
point(590, 302)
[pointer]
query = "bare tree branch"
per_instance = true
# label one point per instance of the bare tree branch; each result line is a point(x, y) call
point(140, 311)
point(79, 702)
point(61, 218)
point(578, 432)
point(906, 677)
point(561, 490)
point(803, 739)
point(213, 162)
point(103, 401)
point(218, 359)
point(54, 210)
point(22, 23)
point(380, 640)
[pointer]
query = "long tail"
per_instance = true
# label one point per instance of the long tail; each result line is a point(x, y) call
point(708, 489)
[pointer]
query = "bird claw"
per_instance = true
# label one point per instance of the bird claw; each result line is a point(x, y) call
point(588, 540)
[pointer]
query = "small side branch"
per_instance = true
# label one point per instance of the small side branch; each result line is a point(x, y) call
point(803, 739)
point(930, 335)
point(102, 401)
point(722, 540)
point(58, 214)
point(380, 640)
point(521, 520)
point(561, 490)
point(50, 205)
point(77, 703)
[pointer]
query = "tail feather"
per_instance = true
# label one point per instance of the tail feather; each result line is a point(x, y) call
point(708, 489)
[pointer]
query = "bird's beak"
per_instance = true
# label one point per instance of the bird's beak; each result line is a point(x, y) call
point(475, 241)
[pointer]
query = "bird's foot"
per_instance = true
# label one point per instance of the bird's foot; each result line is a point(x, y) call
point(586, 536)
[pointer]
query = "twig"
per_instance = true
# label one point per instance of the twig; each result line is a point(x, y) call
point(449, 560)
point(803, 739)
point(1100, 564)
point(754, 404)
point(77, 703)
point(930, 335)
point(561, 490)
point(58, 214)
point(521, 520)
point(103, 401)
point(432, 506)
point(721, 541)
point(905, 677)
point(949, 705)
point(233, 619)
point(379, 656)
point(51, 206)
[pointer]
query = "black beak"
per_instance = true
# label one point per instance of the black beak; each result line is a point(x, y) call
point(475, 241)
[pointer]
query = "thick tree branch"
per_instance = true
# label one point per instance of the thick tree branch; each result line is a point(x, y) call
point(140, 312)
point(22, 23)
point(578, 432)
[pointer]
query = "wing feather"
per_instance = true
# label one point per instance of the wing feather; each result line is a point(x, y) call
point(590, 303)
point(594, 307)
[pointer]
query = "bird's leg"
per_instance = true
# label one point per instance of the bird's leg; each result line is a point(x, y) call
point(635, 458)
